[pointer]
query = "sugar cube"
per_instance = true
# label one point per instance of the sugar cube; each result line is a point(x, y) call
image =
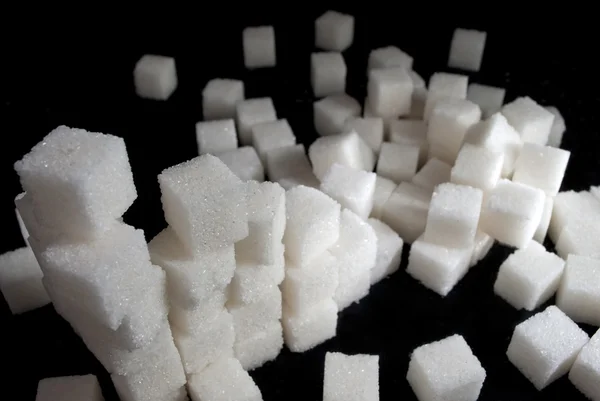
point(585, 373)
point(580, 238)
point(532, 121)
point(331, 113)
point(353, 189)
point(466, 49)
point(272, 135)
point(255, 351)
point(419, 96)
point(249, 319)
point(444, 370)
point(334, 31)
point(250, 112)
point(558, 128)
point(542, 228)
point(383, 190)
point(406, 211)
point(410, 132)
point(389, 57)
point(390, 92)
point(347, 149)
point(389, 251)
point(190, 321)
point(398, 162)
point(327, 73)
point(244, 163)
point(545, 346)
point(370, 130)
point(216, 136)
point(570, 207)
point(224, 380)
point(252, 281)
point(309, 328)
point(477, 167)
point(482, 245)
point(155, 77)
point(442, 86)
point(488, 98)
point(432, 174)
point(69, 388)
point(259, 47)
point(541, 167)
point(579, 292)
point(351, 377)
point(290, 167)
point(220, 97)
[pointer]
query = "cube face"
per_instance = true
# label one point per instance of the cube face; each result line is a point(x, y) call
point(488, 98)
point(370, 129)
point(250, 112)
point(477, 167)
point(542, 229)
point(353, 189)
point(585, 373)
point(331, 113)
point(216, 136)
point(155, 77)
point(410, 132)
point(69, 388)
point(579, 292)
point(244, 163)
point(398, 162)
point(327, 73)
point(406, 211)
point(334, 31)
point(263, 347)
point(433, 173)
point(390, 92)
point(259, 47)
point(443, 86)
point(531, 120)
point(541, 167)
point(224, 380)
point(389, 57)
point(351, 377)
point(466, 49)
point(389, 251)
point(383, 190)
point(251, 319)
point(345, 149)
point(306, 330)
point(220, 97)
point(290, 167)
point(558, 128)
point(272, 135)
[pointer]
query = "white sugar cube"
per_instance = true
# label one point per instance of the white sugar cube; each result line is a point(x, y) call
point(442, 86)
point(224, 380)
point(580, 238)
point(541, 167)
point(410, 132)
point(558, 128)
point(389, 251)
point(327, 73)
point(272, 135)
point(21, 281)
point(529, 277)
point(477, 167)
point(370, 129)
point(532, 121)
point(313, 224)
point(453, 215)
point(437, 267)
point(290, 167)
point(216, 136)
point(306, 287)
point(542, 229)
point(466, 49)
point(585, 373)
point(347, 149)
point(79, 182)
point(569, 207)
point(356, 253)
point(155, 77)
point(482, 245)
point(545, 346)
point(259, 47)
point(334, 31)
point(488, 98)
point(383, 190)
point(69, 388)
point(390, 92)
point(250, 112)
point(331, 113)
point(311, 327)
point(252, 281)
point(255, 351)
point(389, 57)
point(220, 97)
point(351, 377)
point(419, 96)
point(204, 203)
point(398, 162)
point(512, 212)
point(406, 211)
point(250, 319)
point(579, 292)
point(353, 189)
point(432, 174)
point(445, 369)
point(244, 163)
point(205, 313)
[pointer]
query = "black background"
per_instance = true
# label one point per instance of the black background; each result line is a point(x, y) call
point(79, 73)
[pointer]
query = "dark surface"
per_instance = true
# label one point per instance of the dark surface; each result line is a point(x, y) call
point(82, 77)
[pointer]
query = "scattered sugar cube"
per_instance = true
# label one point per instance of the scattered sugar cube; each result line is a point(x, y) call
point(353, 189)
point(419, 96)
point(445, 369)
point(334, 31)
point(370, 130)
point(351, 377)
point(383, 190)
point(244, 163)
point(327, 73)
point(272, 135)
point(532, 121)
point(545, 346)
point(389, 57)
point(410, 132)
point(79, 182)
point(477, 167)
point(398, 162)
point(250, 112)
point(481, 246)
point(432, 174)
point(541, 167)
point(406, 211)
point(311, 327)
point(512, 212)
point(290, 167)
point(331, 113)
point(224, 380)
point(466, 49)
point(453, 215)
point(69, 388)
point(542, 229)
point(313, 224)
point(529, 277)
point(390, 92)
point(488, 98)
point(216, 136)
point(259, 47)
point(585, 373)
point(21, 281)
point(442, 86)
point(155, 77)
point(389, 251)
point(347, 149)
point(252, 281)
point(220, 98)
point(579, 292)
point(204, 203)
point(558, 128)
point(255, 351)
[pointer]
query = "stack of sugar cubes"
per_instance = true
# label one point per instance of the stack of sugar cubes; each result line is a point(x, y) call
point(97, 270)
point(205, 206)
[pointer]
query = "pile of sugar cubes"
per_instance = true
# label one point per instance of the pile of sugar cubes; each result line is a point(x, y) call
point(267, 240)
